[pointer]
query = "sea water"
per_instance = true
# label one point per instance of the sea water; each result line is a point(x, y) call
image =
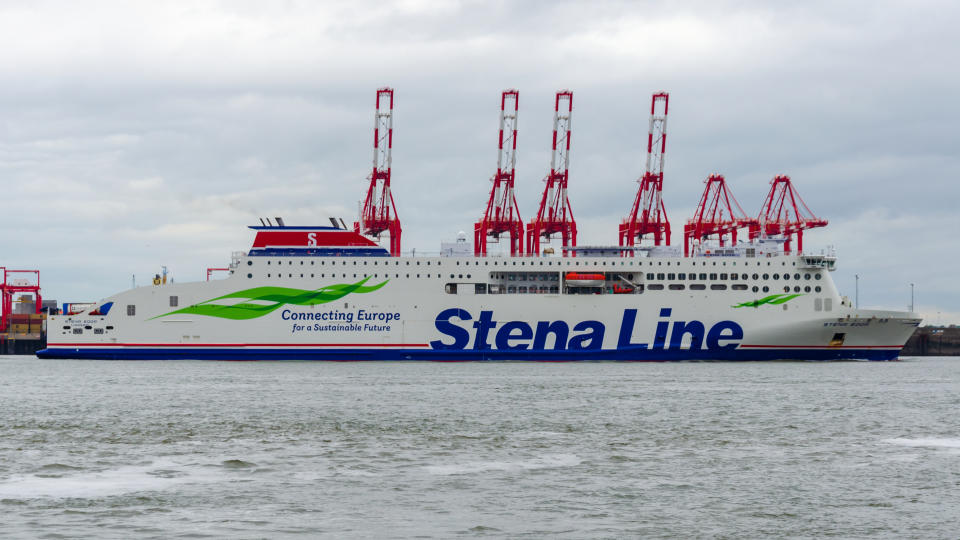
point(185, 449)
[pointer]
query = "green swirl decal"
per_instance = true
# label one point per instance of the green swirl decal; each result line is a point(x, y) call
point(773, 299)
point(260, 301)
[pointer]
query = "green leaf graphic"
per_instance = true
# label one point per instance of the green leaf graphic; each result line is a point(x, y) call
point(773, 299)
point(277, 296)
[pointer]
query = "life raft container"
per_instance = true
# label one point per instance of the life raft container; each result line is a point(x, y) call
point(574, 279)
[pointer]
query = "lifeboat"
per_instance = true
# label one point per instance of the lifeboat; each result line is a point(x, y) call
point(617, 289)
point(575, 279)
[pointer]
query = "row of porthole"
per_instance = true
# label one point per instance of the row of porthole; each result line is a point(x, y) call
point(523, 263)
point(250, 276)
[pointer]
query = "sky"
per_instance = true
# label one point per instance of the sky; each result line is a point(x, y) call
point(135, 135)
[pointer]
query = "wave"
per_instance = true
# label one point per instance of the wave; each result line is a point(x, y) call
point(472, 467)
point(926, 442)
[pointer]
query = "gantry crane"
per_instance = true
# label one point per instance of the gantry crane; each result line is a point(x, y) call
point(784, 213)
point(710, 220)
point(648, 214)
point(379, 213)
point(555, 214)
point(502, 214)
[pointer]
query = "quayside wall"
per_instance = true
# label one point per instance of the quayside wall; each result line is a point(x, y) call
point(933, 341)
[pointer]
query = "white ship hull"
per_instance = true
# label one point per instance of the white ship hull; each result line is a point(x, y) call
point(275, 307)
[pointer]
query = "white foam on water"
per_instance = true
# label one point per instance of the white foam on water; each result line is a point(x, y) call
point(129, 479)
point(545, 462)
point(926, 442)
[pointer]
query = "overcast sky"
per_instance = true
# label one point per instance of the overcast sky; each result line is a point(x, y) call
point(141, 134)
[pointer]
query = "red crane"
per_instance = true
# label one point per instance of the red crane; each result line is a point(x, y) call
point(10, 287)
point(555, 214)
point(648, 214)
point(785, 213)
point(502, 214)
point(375, 215)
point(709, 218)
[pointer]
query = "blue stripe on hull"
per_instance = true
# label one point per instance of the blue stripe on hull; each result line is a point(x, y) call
point(636, 355)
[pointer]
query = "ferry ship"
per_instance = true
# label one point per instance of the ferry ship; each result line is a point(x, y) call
point(331, 293)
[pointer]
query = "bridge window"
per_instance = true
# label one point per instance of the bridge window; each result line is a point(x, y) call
point(174, 301)
point(131, 310)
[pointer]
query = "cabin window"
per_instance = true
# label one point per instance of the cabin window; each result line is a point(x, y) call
point(755, 288)
point(451, 288)
point(806, 289)
point(723, 277)
point(703, 277)
point(249, 276)
point(817, 288)
point(697, 287)
point(249, 263)
point(131, 310)
point(660, 277)
point(766, 276)
point(713, 277)
point(480, 288)
point(655, 287)
point(766, 289)
point(816, 276)
point(671, 277)
point(650, 277)
point(174, 301)
point(718, 287)
point(738, 287)
point(676, 286)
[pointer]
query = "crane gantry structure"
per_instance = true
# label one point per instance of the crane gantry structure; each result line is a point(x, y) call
point(555, 215)
point(502, 214)
point(710, 219)
point(648, 215)
point(784, 213)
point(379, 213)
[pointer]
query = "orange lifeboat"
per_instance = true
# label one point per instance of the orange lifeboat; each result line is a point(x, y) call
point(576, 279)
